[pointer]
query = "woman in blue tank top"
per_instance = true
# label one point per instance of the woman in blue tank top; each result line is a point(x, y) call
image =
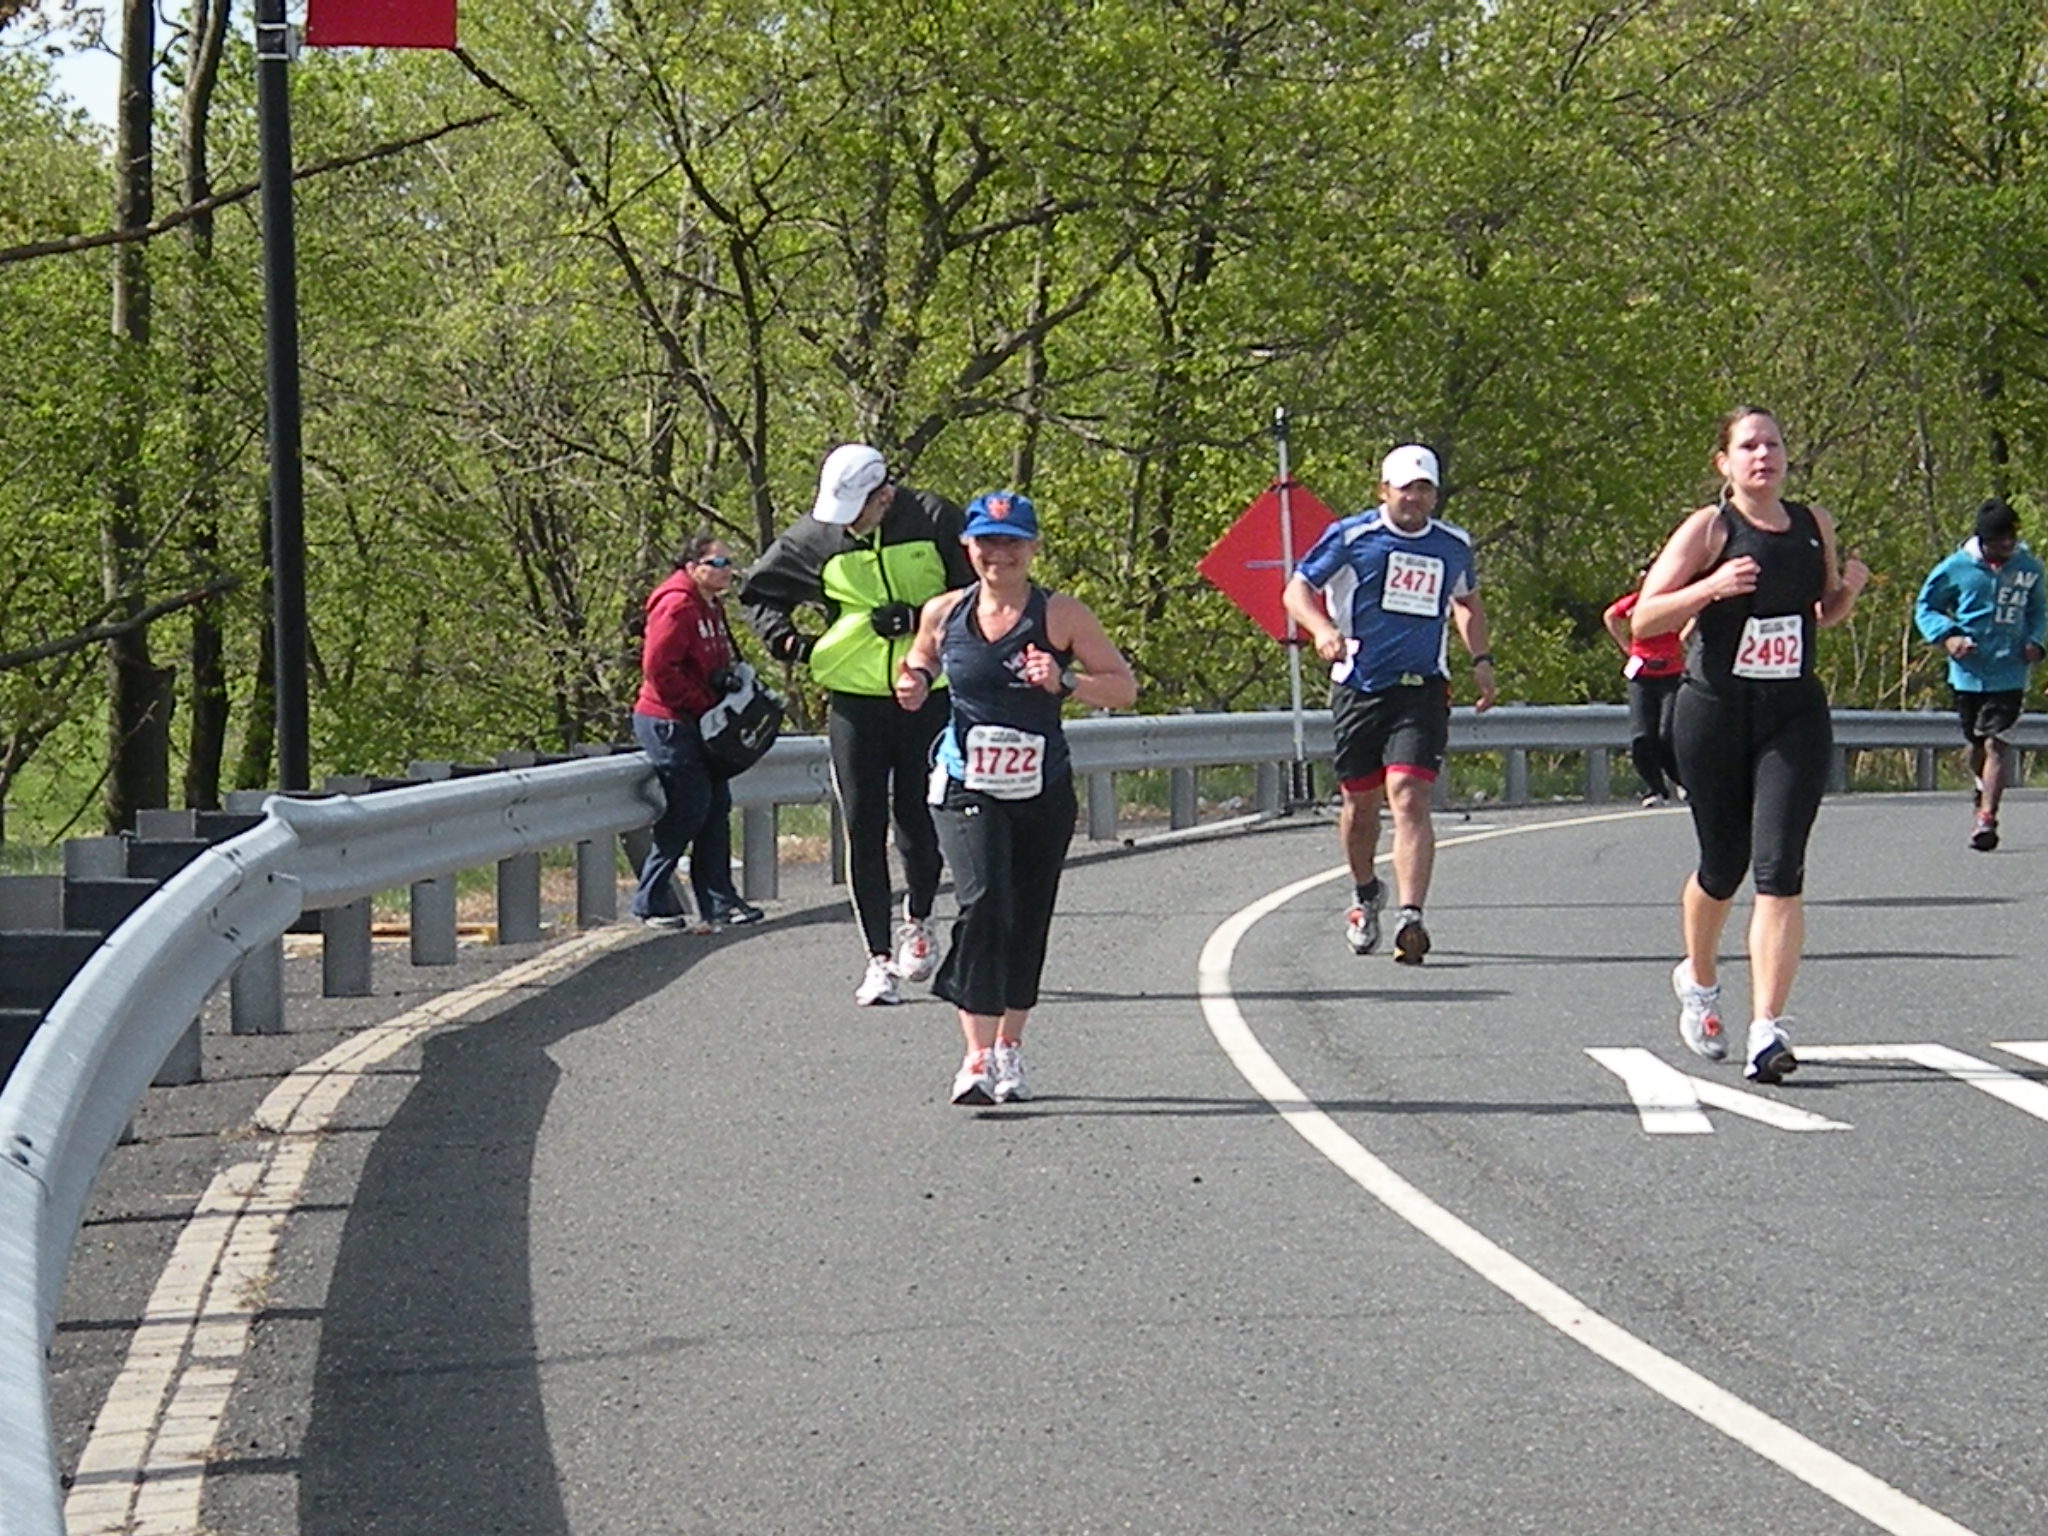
point(1002, 788)
point(1753, 576)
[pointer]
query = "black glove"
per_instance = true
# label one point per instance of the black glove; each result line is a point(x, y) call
point(893, 619)
point(724, 680)
point(792, 645)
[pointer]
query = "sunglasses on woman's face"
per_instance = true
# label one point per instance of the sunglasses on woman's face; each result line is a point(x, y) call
point(716, 562)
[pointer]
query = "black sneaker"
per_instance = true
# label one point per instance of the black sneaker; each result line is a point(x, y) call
point(738, 915)
point(1985, 836)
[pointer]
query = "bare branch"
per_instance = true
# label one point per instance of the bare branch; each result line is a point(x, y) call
point(102, 632)
point(170, 221)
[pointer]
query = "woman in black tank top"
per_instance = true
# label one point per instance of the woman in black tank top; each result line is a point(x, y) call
point(1002, 796)
point(1754, 577)
point(1733, 644)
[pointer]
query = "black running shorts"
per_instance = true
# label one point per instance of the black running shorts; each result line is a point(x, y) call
point(1988, 715)
point(1406, 726)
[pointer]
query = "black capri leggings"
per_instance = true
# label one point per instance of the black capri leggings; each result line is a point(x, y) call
point(1006, 857)
point(1754, 765)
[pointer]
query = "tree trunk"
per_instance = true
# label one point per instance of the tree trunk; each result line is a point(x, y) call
point(254, 767)
point(138, 743)
point(1031, 398)
point(1991, 390)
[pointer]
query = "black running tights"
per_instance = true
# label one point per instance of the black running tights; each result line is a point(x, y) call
point(881, 762)
point(1754, 766)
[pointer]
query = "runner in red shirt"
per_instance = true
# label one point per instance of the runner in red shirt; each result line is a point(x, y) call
point(1653, 670)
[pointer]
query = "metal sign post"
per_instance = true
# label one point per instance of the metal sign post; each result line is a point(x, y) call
point(1301, 789)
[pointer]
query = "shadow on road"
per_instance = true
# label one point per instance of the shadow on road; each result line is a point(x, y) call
point(427, 1411)
point(1913, 903)
point(1093, 1104)
point(1289, 995)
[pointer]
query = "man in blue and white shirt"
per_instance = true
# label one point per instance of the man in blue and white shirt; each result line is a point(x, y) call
point(1375, 596)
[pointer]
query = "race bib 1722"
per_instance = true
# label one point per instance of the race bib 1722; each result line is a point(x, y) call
point(1006, 763)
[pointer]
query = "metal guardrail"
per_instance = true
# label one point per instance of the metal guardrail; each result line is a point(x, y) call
point(1190, 741)
point(86, 1068)
point(796, 772)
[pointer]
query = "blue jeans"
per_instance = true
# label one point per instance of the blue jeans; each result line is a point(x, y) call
point(697, 821)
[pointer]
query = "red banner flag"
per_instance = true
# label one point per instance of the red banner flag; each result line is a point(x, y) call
point(380, 23)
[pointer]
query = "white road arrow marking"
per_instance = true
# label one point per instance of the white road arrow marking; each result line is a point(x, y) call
point(1668, 1101)
point(2035, 1051)
point(2021, 1093)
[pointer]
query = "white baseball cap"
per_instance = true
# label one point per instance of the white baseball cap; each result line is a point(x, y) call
point(1409, 463)
point(851, 473)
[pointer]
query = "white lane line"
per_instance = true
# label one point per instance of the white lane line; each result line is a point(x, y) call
point(142, 1470)
point(2022, 1093)
point(1668, 1101)
point(1839, 1479)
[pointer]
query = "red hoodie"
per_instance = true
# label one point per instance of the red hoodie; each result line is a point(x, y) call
point(686, 642)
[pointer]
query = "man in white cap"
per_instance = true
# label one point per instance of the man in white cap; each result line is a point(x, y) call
point(1375, 596)
point(869, 555)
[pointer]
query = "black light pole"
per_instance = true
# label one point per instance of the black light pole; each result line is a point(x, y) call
point(281, 380)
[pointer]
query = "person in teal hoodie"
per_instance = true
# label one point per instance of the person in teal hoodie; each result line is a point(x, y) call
point(1983, 606)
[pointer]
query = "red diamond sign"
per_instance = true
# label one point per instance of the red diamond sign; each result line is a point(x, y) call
point(1248, 565)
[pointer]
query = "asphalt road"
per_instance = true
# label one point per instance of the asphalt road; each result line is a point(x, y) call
point(679, 1240)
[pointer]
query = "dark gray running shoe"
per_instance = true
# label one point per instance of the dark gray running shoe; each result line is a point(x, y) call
point(1411, 939)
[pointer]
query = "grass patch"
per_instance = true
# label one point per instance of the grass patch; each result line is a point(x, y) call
point(1146, 795)
point(31, 858)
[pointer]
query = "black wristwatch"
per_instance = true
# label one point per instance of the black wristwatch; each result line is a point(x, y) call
point(1483, 656)
point(1069, 681)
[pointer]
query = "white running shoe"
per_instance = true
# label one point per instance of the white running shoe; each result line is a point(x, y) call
point(1011, 1085)
point(1770, 1051)
point(975, 1082)
point(675, 922)
point(917, 948)
point(878, 987)
point(1362, 922)
point(1699, 1015)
